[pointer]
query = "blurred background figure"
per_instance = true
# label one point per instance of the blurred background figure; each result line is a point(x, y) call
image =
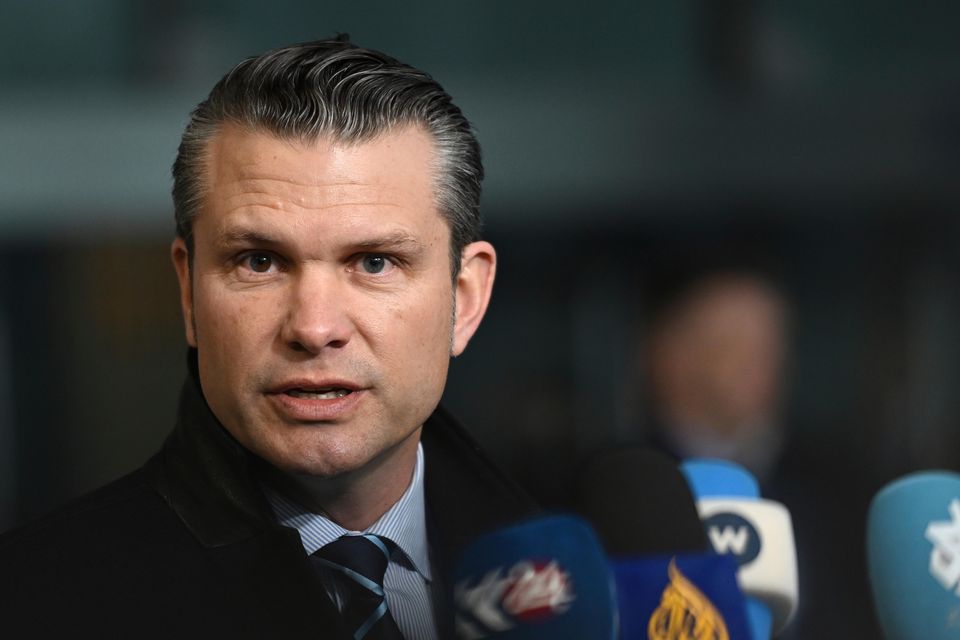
point(716, 352)
point(714, 365)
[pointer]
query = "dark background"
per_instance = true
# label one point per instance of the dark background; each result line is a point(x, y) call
point(823, 135)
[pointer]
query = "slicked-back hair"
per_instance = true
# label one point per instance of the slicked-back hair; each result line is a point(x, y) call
point(332, 88)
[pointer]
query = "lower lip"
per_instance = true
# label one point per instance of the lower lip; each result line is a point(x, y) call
point(313, 409)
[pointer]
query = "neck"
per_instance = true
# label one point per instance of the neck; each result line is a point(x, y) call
point(354, 499)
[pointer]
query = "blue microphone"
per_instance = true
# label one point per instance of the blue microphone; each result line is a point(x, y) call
point(913, 555)
point(543, 578)
point(758, 533)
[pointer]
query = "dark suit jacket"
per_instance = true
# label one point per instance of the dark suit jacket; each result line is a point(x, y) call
point(187, 546)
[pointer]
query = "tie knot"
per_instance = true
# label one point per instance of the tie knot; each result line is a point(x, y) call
point(366, 555)
point(357, 564)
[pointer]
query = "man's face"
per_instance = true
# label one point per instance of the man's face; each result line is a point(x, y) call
point(321, 300)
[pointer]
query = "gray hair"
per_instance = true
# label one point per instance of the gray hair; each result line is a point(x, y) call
point(334, 88)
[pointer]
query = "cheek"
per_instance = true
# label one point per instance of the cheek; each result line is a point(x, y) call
point(413, 334)
point(429, 323)
point(229, 324)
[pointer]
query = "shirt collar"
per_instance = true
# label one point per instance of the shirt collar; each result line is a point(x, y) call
point(404, 523)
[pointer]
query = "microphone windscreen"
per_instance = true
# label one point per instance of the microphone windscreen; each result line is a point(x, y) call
point(913, 554)
point(640, 504)
point(543, 578)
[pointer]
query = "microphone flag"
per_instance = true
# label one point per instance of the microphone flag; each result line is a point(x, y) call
point(543, 578)
point(686, 596)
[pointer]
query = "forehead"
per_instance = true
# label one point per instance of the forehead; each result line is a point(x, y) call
point(398, 160)
point(261, 184)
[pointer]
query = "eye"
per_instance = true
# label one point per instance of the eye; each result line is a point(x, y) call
point(374, 263)
point(258, 262)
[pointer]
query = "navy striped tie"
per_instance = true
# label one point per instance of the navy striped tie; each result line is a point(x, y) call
point(362, 560)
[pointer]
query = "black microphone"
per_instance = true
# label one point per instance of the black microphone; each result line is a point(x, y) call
point(640, 504)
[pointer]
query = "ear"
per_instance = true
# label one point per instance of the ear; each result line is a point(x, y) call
point(478, 266)
point(181, 264)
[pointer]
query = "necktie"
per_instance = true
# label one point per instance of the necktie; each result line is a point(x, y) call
point(361, 561)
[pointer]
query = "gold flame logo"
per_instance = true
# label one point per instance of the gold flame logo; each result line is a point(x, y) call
point(685, 613)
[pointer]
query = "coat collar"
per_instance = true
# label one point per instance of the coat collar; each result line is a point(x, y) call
point(206, 476)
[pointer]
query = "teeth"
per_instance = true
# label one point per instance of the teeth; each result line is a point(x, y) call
point(332, 394)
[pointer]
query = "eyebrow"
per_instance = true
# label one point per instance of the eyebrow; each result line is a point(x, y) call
point(397, 240)
point(245, 236)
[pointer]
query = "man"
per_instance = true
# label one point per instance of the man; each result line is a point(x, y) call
point(329, 262)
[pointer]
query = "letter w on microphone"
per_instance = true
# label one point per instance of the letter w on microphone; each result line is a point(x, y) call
point(732, 533)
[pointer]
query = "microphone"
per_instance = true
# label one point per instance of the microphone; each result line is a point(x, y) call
point(543, 578)
point(758, 533)
point(669, 586)
point(913, 556)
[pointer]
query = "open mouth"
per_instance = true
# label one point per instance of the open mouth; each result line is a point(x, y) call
point(331, 393)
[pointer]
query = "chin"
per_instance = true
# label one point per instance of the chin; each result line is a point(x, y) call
point(298, 465)
point(323, 464)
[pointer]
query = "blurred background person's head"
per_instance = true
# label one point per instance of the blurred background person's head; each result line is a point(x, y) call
point(715, 355)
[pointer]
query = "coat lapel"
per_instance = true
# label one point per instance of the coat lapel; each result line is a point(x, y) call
point(466, 496)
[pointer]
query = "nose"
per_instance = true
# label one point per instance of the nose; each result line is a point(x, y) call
point(317, 314)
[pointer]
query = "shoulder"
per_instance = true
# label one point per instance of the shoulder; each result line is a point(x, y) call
point(95, 546)
point(115, 562)
point(99, 520)
point(108, 502)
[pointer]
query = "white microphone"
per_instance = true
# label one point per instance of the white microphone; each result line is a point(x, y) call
point(757, 532)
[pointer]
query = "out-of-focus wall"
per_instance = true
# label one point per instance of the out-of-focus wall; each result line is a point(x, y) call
point(607, 109)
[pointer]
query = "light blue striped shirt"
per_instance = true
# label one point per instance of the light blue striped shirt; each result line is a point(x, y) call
point(408, 577)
